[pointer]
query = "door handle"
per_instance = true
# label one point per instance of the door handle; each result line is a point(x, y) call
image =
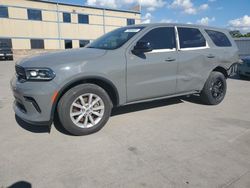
point(210, 56)
point(170, 59)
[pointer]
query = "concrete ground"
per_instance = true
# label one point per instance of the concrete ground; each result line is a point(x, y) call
point(168, 143)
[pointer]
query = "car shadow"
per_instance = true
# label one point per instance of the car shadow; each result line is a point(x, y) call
point(59, 127)
point(237, 77)
point(115, 112)
point(126, 109)
point(144, 106)
point(196, 99)
point(32, 128)
point(21, 184)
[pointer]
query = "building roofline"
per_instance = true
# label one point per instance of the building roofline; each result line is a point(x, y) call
point(85, 6)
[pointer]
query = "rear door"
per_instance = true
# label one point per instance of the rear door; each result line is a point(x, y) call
point(196, 58)
point(153, 74)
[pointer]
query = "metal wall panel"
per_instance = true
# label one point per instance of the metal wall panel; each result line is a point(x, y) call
point(244, 46)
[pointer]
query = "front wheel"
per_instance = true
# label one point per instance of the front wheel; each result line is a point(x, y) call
point(214, 89)
point(84, 109)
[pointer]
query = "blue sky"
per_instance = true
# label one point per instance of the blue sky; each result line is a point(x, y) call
point(223, 13)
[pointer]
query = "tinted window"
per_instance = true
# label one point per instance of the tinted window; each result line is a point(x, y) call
point(130, 21)
point(161, 38)
point(37, 44)
point(191, 38)
point(4, 12)
point(68, 44)
point(219, 38)
point(5, 43)
point(83, 43)
point(83, 18)
point(115, 39)
point(34, 14)
point(66, 17)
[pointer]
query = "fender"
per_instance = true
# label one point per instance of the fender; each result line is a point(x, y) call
point(74, 82)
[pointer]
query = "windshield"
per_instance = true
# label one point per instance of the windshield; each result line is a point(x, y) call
point(3, 45)
point(115, 39)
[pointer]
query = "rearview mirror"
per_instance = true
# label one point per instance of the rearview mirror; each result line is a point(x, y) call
point(141, 47)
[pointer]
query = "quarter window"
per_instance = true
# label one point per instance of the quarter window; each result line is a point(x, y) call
point(37, 44)
point(130, 21)
point(161, 38)
point(66, 17)
point(68, 44)
point(34, 14)
point(83, 43)
point(4, 12)
point(191, 38)
point(219, 38)
point(83, 19)
point(5, 43)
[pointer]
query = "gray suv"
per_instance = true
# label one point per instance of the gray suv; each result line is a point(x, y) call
point(128, 65)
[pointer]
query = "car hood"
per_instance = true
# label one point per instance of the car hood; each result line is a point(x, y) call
point(62, 57)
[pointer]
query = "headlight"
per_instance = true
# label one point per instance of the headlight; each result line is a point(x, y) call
point(41, 74)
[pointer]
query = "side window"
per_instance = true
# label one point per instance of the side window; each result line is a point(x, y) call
point(4, 12)
point(66, 17)
point(37, 44)
point(191, 38)
point(161, 38)
point(83, 19)
point(130, 21)
point(34, 14)
point(219, 38)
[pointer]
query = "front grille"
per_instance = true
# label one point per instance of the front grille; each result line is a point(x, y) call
point(20, 72)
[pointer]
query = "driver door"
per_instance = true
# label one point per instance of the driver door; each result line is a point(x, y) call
point(153, 74)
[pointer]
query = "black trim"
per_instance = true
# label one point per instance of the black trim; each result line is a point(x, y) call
point(33, 102)
point(38, 123)
point(229, 70)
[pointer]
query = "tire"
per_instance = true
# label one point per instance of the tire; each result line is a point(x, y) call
point(69, 105)
point(214, 89)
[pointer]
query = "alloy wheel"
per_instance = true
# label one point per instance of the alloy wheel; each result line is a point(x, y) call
point(87, 110)
point(217, 89)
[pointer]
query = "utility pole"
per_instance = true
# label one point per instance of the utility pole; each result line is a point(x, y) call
point(103, 18)
point(58, 24)
point(140, 5)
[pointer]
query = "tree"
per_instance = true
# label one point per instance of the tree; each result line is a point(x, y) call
point(238, 34)
point(235, 33)
point(247, 35)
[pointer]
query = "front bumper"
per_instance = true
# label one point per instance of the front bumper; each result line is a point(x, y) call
point(33, 101)
point(6, 56)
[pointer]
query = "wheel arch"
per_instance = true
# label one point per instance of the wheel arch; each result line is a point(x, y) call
point(221, 70)
point(104, 83)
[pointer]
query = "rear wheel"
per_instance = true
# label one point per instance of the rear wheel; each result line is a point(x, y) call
point(84, 109)
point(214, 89)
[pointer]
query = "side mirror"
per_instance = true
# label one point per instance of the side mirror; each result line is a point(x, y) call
point(141, 47)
